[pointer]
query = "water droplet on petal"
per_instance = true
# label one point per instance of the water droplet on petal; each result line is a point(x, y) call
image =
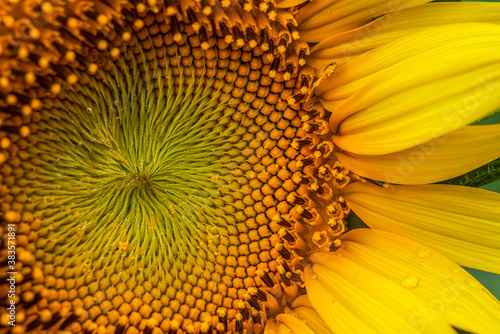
point(410, 282)
point(473, 283)
point(424, 253)
point(313, 276)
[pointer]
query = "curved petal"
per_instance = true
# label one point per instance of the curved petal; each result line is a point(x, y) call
point(301, 319)
point(304, 309)
point(295, 324)
point(346, 46)
point(318, 19)
point(462, 223)
point(353, 299)
point(439, 159)
point(448, 290)
point(435, 81)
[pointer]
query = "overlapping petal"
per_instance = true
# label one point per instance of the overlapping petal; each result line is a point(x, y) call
point(302, 318)
point(318, 19)
point(439, 159)
point(288, 324)
point(460, 222)
point(434, 81)
point(448, 290)
point(354, 299)
point(346, 46)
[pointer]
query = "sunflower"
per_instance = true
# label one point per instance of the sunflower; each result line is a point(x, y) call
point(191, 166)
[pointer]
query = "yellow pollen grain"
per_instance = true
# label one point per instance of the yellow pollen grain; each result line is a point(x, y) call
point(178, 37)
point(72, 23)
point(30, 78)
point(115, 52)
point(92, 68)
point(24, 131)
point(102, 19)
point(36, 104)
point(8, 21)
point(47, 7)
point(70, 56)
point(26, 110)
point(12, 216)
point(72, 78)
point(5, 143)
point(4, 82)
point(34, 33)
point(102, 45)
point(207, 10)
point(171, 11)
point(11, 99)
point(138, 24)
point(43, 62)
point(141, 8)
point(55, 88)
point(126, 36)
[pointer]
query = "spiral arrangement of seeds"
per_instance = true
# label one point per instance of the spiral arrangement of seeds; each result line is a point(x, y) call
point(165, 164)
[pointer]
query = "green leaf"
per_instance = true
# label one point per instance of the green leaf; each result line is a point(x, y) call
point(478, 177)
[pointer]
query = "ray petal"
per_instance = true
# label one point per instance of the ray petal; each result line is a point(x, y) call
point(448, 290)
point(318, 19)
point(460, 222)
point(354, 299)
point(346, 46)
point(436, 160)
point(436, 80)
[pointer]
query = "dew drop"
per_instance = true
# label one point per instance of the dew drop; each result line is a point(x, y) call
point(424, 253)
point(473, 283)
point(313, 276)
point(410, 282)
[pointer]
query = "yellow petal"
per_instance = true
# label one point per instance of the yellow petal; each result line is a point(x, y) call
point(346, 46)
point(289, 324)
point(448, 290)
point(304, 309)
point(320, 18)
point(289, 3)
point(439, 159)
point(462, 223)
point(435, 81)
point(354, 299)
point(313, 319)
point(296, 324)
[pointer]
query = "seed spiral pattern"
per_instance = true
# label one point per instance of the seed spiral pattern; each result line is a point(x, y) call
point(165, 165)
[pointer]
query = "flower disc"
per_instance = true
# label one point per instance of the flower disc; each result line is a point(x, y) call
point(160, 167)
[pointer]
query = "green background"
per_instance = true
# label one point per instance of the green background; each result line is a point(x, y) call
point(489, 280)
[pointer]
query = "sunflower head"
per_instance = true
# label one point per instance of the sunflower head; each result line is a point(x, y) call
point(164, 164)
